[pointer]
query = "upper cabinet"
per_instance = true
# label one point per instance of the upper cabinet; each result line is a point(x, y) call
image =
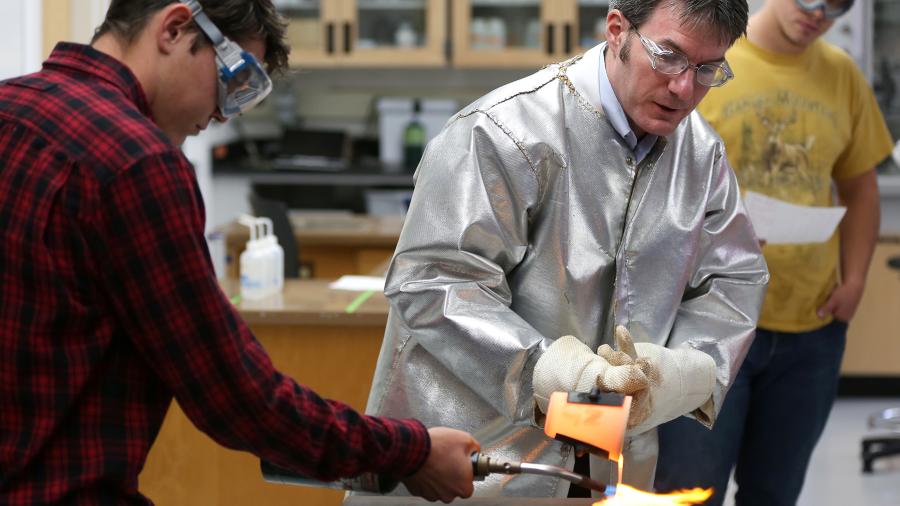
point(591, 22)
point(524, 33)
point(310, 31)
point(413, 33)
point(505, 33)
point(380, 33)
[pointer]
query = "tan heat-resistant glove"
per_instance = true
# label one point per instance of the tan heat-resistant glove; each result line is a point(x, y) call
point(569, 365)
point(681, 381)
point(627, 354)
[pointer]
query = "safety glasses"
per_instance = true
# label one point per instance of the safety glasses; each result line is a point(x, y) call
point(673, 63)
point(831, 8)
point(243, 82)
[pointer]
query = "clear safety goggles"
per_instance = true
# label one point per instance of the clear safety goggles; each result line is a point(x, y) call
point(673, 63)
point(243, 82)
point(830, 8)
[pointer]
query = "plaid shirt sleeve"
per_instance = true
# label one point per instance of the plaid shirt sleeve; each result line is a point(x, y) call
point(148, 235)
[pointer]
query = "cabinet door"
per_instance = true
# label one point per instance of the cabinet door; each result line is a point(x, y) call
point(872, 345)
point(506, 33)
point(312, 31)
point(591, 23)
point(393, 33)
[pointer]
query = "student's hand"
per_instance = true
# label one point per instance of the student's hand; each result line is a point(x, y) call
point(447, 473)
point(843, 301)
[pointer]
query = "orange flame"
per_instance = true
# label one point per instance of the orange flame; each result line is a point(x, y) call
point(626, 496)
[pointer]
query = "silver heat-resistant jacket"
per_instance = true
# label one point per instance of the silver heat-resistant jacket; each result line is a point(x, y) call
point(529, 221)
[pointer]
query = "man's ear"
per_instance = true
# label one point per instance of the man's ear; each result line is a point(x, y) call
point(172, 27)
point(616, 30)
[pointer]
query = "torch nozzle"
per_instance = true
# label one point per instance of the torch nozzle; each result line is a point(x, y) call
point(482, 466)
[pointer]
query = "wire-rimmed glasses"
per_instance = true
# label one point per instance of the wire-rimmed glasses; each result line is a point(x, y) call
point(668, 61)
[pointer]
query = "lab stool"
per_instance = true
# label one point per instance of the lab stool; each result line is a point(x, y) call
point(876, 447)
point(887, 445)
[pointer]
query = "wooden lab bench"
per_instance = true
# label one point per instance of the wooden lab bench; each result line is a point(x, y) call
point(310, 337)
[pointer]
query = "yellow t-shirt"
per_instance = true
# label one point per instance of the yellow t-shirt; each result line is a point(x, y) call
point(791, 123)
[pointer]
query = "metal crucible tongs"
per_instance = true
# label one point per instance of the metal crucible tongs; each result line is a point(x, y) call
point(482, 466)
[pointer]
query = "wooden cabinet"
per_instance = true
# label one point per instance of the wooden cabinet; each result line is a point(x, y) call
point(310, 336)
point(311, 31)
point(380, 33)
point(589, 24)
point(413, 33)
point(524, 33)
point(873, 347)
point(504, 33)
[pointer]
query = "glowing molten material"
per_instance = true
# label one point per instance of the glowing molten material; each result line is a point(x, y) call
point(628, 496)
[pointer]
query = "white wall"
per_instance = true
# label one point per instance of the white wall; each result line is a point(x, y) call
point(85, 18)
point(20, 37)
point(222, 203)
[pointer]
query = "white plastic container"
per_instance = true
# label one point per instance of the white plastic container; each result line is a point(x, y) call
point(254, 264)
point(262, 262)
point(274, 258)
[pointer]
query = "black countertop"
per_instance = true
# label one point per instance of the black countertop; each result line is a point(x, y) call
point(332, 173)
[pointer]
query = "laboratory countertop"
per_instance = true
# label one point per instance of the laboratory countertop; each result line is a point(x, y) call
point(311, 302)
point(333, 230)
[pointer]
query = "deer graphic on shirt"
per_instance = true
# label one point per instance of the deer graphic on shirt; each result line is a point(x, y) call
point(784, 160)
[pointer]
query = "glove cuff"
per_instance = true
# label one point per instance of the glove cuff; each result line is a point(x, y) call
point(687, 380)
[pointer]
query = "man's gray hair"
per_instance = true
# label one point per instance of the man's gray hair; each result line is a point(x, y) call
point(727, 17)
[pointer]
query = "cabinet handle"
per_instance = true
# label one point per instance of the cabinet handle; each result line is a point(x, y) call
point(550, 38)
point(329, 38)
point(348, 28)
point(567, 38)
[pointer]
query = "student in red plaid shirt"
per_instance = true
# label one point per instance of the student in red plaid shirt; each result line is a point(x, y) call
point(109, 306)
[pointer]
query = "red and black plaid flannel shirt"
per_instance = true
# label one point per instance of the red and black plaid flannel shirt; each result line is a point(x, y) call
point(110, 307)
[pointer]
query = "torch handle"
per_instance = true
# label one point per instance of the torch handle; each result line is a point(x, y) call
point(482, 466)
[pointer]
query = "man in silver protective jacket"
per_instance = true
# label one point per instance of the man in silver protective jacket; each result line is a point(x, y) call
point(584, 200)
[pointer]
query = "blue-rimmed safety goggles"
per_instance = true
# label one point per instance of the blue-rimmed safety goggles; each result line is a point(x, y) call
point(831, 8)
point(243, 82)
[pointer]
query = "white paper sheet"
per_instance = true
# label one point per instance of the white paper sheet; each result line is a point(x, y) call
point(358, 283)
point(780, 222)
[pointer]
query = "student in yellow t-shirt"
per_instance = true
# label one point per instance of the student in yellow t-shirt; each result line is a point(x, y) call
point(798, 121)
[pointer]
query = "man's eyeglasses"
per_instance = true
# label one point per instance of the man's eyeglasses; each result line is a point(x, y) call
point(674, 63)
point(830, 8)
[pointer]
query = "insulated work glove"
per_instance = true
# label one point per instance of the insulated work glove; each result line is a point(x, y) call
point(569, 365)
point(626, 354)
point(681, 381)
